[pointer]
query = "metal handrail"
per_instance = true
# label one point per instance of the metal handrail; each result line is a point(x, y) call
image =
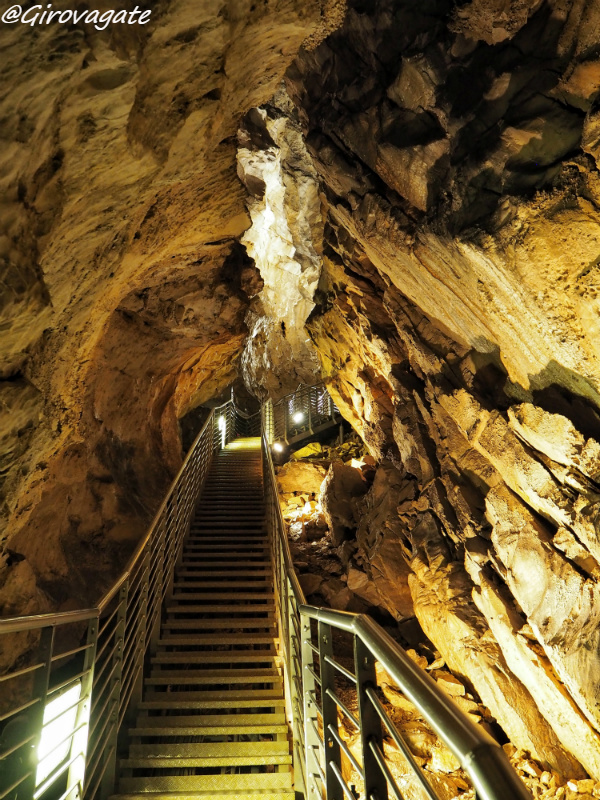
point(107, 669)
point(480, 756)
point(113, 638)
point(315, 408)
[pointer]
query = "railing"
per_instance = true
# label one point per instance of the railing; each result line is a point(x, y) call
point(310, 638)
point(303, 413)
point(78, 675)
point(74, 678)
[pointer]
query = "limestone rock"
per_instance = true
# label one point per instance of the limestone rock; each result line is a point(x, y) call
point(299, 476)
point(310, 583)
point(342, 486)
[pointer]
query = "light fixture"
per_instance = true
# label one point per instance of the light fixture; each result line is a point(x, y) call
point(223, 428)
point(298, 417)
point(58, 738)
point(278, 447)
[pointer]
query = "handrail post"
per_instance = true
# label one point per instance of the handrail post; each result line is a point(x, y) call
point(330, 718)
point(311, 738)
point(137, 689)
point(370, 724)
point(162, 589)
point(108, 779)
point(77, 770)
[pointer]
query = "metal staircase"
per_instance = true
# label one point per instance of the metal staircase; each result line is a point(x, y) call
point(212, 721)
point(202, 674)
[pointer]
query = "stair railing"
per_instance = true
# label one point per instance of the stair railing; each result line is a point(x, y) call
point(303, 413)
point(322, 692)
point(69, 680)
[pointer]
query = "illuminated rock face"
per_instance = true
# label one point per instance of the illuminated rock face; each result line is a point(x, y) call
point(423, 209)
point(457, 319)
point(121, 304)
point(285, 241)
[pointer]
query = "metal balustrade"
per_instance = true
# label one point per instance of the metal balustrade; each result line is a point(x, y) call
point(306, 412)
point(78, 675)
point(322, 756)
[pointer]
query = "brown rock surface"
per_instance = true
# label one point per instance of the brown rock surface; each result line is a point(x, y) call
point(122, 305)
point(437, 193)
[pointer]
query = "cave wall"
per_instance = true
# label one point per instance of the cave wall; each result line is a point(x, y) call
point(456, 320)
point(121, 303)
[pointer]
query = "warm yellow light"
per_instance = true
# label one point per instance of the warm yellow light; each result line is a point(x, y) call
point(278, 447)
point(298, 417)
point(60, 717)
point(356, 462)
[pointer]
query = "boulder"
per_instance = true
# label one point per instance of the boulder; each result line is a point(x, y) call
point(310, 583)
point(342, 486)
point(300, 476)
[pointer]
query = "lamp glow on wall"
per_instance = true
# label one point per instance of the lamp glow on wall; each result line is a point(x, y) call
point(223, 429)
point(298, 417)
point(63, 741)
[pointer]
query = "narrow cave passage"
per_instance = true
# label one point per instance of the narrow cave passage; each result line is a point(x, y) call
point(397, 200)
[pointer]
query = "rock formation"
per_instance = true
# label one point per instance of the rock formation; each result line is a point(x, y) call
point(434, 171)
point(456, 321)
point(122, 303)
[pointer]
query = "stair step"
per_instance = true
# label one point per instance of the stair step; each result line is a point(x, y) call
point(228, 657)
point(241, 596)
point(207, 783)
point(239, 608)
point(200, 542)
point(189, 705)
point(212, 676)
point(226, 584)
point(199, 722)
point(261, 572)
point(238, 547)
point(282, 794)
point(155, 762)
point(239, 529)
point(209, 749)
point(217, 624)
point(216, 638)
point(188, 568)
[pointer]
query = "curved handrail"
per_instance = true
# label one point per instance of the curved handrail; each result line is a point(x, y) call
point(280, 530)
point(480, 756)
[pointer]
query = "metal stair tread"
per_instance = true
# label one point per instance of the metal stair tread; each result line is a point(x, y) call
point(228, 657)
point(235, 693)
point(217, 624)
point(185, 705)
point(174, 762)
point(223, 595)
point(209, 749)
point(212, 676)
point(198, 722)
point(239, 795)
point(267, 780)
point(213, 638)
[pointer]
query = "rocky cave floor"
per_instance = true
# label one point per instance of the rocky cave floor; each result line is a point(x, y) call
point(323, 488)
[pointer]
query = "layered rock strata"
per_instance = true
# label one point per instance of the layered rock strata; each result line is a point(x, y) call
point(456, 320)
point(122, 303)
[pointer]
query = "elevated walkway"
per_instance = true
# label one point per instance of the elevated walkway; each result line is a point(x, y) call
point(202, 674)
point(211, 723)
